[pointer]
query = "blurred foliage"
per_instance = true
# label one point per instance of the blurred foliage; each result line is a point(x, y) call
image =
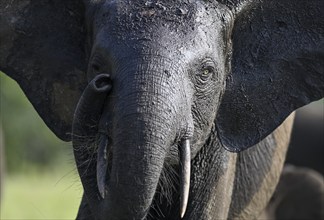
point(41, 180)
point(29, 144)
point(51, 195)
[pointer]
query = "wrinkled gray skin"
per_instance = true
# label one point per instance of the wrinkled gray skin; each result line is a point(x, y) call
point(148, 75)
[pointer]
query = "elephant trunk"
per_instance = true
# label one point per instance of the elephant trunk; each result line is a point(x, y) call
point(138, 159)
point(149, 118)
point(84, 131)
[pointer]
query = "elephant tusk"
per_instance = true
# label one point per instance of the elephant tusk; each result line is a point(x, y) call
point(102, 164)
point(185, 175)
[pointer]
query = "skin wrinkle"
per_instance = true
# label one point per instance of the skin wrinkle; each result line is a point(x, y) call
point(164, 104)
point(154, 74)
point(149, 174)
point(164, 119)
point(147, 103)
point(157, 60)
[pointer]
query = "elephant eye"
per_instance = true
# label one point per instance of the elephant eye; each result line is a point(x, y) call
point(96, 64)
point(207, 69)
point(206, 73)
point(95, 68)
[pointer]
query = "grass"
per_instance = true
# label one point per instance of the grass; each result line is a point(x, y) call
point(51, 195)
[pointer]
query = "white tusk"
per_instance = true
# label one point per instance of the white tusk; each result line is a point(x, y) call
point(185, 161)
point(102, 164)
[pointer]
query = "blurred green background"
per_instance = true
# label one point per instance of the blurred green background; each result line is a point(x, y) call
point(41, 180)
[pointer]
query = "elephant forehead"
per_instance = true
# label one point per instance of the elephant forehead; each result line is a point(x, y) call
point(148, 19)
point(166, 28)
point(149, 14)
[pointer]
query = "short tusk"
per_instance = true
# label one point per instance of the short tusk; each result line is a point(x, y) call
point(102, 164)
point(185, 175)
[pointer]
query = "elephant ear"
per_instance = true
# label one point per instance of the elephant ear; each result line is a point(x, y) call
point(42, 48)
point(277, 66)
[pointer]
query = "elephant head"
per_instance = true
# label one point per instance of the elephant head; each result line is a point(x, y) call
point(159, 98)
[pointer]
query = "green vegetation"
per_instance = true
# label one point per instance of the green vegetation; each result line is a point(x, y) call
point(28, 141)
point(55, 195)
point(41, 180)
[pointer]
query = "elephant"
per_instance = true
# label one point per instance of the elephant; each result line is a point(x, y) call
point(175, 109)
point(307, 140)
point(299, 195)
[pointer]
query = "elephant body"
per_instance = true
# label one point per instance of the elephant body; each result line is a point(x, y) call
point(300, 191)
point(299, 195)
point(307, 140)
point(176, 110)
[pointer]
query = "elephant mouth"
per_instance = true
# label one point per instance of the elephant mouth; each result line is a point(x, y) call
point(91, 122)
point(103, 169)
